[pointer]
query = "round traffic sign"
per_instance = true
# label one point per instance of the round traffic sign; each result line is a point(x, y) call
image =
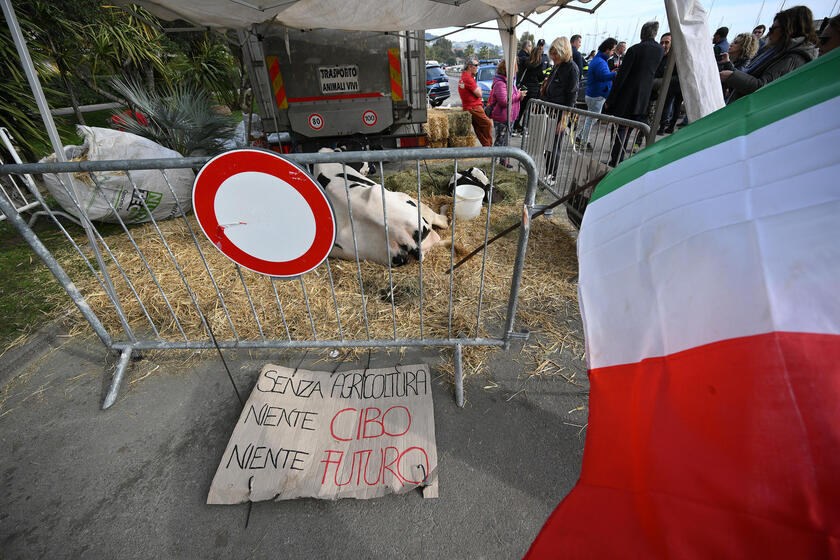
point(264, 213)
point(316, 121)
point(369, 117)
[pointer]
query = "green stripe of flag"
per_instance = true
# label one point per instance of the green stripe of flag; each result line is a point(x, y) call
point(809, 85)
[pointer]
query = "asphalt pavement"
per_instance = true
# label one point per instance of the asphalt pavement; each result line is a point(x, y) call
point(131, 482)
point(454, 99)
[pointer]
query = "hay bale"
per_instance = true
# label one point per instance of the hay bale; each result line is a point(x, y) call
point(460, 123)
point(462, 141)
point(437, 144)
point(435, 181)
point(436, 126)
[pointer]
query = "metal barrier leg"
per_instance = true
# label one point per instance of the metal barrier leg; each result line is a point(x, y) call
point(459, 378)
point(114, 389)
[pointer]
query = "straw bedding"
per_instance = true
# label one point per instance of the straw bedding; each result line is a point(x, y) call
point(547, 300)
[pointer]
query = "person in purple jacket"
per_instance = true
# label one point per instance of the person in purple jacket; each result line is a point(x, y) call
point(498, 102)
point(598, 83)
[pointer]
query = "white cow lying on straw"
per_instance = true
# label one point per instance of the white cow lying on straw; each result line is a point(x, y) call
point(404, 237)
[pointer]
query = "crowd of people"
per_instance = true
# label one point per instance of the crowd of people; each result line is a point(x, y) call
point(622, 81)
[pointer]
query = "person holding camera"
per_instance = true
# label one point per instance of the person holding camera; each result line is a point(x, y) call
point(531, 77)
point(497, 104)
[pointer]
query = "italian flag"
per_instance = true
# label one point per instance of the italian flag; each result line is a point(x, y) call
point(710, 294)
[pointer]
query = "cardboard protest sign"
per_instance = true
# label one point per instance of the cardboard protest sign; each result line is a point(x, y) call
point(313, 434)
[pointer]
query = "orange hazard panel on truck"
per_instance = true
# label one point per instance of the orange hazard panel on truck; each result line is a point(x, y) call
point(396, 74)
point(277, 82)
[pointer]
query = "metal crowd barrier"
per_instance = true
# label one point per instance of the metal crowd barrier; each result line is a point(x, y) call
point(16, 189)
point(130, 326)
point(572, 147)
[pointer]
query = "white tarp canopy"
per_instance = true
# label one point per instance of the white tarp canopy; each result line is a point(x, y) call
point(687, 19)
point(350, 15)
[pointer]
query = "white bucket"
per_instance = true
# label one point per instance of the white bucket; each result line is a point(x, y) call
point(468, 199)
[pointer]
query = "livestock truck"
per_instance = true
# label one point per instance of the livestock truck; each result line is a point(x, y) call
point(324, 88)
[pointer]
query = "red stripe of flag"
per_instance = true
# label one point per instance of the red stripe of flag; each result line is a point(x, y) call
point(726, 450)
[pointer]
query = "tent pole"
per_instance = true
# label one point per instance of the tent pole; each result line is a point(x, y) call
point(507, 31)
point(663, 94)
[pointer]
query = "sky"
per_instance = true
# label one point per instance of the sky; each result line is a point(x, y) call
point(623, 20)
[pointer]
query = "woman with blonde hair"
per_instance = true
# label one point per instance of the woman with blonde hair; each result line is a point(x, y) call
point(741, 51)
point(561, 86)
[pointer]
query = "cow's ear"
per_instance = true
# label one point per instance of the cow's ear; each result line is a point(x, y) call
point(470, 172)
point(480, 176)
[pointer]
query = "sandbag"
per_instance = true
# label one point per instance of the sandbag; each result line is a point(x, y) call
point(106, 144)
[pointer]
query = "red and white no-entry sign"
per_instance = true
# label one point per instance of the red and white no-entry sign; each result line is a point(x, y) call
point(264, 213)
point(369, 117)
point(316, 121)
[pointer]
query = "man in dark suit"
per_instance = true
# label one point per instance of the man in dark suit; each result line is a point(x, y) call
point(576, 56)
point(630, 93)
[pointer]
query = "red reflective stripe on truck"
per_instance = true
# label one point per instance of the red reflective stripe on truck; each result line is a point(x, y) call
point(277, 82)
point(396, 74)
point(327, 97)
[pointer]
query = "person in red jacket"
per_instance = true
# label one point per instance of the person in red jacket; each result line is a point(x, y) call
point(471, 101)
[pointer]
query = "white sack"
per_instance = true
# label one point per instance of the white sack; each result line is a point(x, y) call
point(106, 144)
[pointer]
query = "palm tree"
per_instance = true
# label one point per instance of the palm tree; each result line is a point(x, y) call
point(16, 100)
point(58, 38)
point(209, 65)
point(126, 41)
point(181, 117)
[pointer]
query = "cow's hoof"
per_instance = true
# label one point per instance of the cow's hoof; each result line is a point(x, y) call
point(410, 252)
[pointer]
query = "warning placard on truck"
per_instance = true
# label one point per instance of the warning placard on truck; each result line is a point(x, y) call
point(339, 79)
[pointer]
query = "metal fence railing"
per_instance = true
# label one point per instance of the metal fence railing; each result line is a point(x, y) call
point(15, 189)
point(161, 285)
point(572, 148)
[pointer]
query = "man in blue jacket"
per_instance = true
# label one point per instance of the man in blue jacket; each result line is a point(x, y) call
point(598, 83)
